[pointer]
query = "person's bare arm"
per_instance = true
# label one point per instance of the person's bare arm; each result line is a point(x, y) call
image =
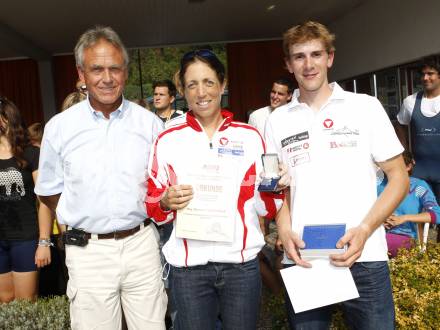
point(402, 134)
point(393, 194)
point(396, 220)
point(45, 223)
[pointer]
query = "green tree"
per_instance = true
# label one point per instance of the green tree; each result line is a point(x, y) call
point(153, 64)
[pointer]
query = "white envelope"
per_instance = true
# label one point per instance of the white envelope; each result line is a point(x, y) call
point(321, 285)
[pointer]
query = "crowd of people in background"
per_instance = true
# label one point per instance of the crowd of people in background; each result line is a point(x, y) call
point(106, 236)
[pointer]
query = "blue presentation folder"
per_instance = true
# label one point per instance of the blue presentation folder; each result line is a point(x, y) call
point(321, 240)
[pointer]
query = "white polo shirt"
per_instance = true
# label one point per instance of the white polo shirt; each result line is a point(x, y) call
point(258, 118)
point(330, 154)
point(98, 165)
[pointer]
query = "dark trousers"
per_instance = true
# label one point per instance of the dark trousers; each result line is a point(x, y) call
point(198, 293)
point(374, 309)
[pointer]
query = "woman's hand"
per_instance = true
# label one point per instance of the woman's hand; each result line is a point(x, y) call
point(394, 220)
point(42, 256)
point(176, 197)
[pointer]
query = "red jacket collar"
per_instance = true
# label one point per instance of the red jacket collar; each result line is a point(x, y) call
point(194, 123)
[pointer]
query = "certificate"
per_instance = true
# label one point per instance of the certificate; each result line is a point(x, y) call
point(210, 214)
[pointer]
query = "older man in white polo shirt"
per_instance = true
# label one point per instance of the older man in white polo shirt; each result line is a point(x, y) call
point(330, 140)
point(92, 171)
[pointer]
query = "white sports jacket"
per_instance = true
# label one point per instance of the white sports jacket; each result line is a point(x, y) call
point(233, 141)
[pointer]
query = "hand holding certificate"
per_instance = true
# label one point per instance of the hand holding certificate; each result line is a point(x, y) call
point(176, 197)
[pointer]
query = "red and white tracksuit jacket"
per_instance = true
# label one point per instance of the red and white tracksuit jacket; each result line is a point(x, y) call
point(235, 142)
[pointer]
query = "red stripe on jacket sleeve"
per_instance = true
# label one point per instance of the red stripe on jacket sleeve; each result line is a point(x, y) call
point(155, 190)
point(268, 199)
point(247, 189)
point(172, 177)
point(152, 204)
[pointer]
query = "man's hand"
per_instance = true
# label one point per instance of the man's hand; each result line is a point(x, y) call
point(284, 181)
point(176, 197)
point(394, 220)
point(355, 238)
point(291, 244)
point(42, 256)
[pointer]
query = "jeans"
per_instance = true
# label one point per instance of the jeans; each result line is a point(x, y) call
point(199, 293)
point(374, 309)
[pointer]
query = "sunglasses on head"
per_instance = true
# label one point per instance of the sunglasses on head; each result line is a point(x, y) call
point(204, 53)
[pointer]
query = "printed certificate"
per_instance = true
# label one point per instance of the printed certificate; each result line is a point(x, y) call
point(210, 214)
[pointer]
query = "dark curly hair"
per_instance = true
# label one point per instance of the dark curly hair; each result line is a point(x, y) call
point(15, 132)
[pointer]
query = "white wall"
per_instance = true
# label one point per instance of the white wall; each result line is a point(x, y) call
point(380, 34)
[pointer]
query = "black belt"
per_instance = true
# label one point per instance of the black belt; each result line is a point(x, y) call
point(121, 233)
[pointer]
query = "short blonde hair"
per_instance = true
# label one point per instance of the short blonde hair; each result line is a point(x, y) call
point(72, 99)
point(307, 31)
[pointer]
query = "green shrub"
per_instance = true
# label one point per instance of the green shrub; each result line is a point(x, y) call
point(416, 287)
point(50, 313)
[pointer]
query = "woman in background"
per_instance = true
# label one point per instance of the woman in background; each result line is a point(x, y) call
point(418, 207)
point(22, 250)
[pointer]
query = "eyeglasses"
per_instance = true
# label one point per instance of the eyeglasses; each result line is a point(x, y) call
point(204, 53)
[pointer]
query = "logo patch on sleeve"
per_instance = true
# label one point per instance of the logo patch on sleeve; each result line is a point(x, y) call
point(294, 138)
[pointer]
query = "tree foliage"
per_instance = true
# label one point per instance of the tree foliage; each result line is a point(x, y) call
point(151, 64)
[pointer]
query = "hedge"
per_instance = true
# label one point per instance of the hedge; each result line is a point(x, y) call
point(44, 314)
point(415, 277)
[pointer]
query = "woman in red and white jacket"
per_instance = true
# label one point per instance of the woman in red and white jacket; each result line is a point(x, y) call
point(210, 276)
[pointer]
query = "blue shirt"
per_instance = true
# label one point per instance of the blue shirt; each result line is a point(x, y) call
point(419, 199)
point(98, 165)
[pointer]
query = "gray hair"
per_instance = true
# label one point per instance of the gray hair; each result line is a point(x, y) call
point(92, 36)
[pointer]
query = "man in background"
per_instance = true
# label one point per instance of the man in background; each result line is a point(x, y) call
point(420, 113)
point(280, 94)
point(164, 95)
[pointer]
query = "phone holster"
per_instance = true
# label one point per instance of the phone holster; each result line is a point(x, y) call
point(76, 237)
